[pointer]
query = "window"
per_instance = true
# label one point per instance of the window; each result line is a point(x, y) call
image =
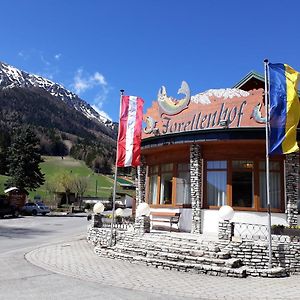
point(183, 184)
point(166, 181)
point(169, 184)
point(274, 181)
point(242, 184)
point(216, 182)
point(153, 179)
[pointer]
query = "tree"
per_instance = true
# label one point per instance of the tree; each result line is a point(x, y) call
point(24, 159)
point(80, 185)
point(66, 180)
point(4, 145)
point(52, 186)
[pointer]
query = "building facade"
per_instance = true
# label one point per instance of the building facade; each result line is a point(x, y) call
point(208, 150)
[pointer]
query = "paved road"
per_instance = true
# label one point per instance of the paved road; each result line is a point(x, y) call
point(20, 279)
point(67, 268)
point(61, 257)
point(23, 232)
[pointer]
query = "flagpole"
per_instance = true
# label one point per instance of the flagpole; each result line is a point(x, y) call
point(266, 63)
point(115, 183)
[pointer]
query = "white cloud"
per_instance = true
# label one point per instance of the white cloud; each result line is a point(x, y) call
point(46, 62)
point(95, 84)
point(101, 112)
point(57, 56)
point(24, 55)
point(83, 82)
point(80, 84)
point(99, 78)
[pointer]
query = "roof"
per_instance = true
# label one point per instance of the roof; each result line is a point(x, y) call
point(125, 183)
point(252, 80)
point(251, 76)
point(10, 189)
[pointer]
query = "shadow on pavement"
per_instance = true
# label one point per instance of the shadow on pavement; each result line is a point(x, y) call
point(17, 232)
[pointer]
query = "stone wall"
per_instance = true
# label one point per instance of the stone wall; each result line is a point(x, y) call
point(255, 254)
point(141, 182)
point(196, 186)
point(226, 230)
point(102, 236)
point(292, 187)
point(142, 225)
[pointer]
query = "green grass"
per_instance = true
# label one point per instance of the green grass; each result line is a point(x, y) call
point(2, 181)
point(54, 166)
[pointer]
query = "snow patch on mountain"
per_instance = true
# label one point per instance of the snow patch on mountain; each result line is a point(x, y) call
point(11, 77)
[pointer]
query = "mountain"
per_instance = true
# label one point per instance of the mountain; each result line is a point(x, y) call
point(11, 77)
point(64, 123)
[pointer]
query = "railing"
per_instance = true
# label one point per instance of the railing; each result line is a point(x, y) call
point(119, 224)
point(251, 231)
point(258, 232)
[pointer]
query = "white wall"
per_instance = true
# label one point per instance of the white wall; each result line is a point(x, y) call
point(210, 219)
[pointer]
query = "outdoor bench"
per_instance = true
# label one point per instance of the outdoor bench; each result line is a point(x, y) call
point(166, 217)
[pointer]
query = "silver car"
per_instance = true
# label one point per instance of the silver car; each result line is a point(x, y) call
point(35, 208)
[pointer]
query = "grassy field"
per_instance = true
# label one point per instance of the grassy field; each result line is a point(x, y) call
point(2, 181)
point(53, 167)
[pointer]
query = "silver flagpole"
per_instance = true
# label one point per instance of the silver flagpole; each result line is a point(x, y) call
point(115, 182)
point(267, 107)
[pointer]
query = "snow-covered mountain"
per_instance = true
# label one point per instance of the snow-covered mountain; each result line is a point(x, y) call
point(11, 77)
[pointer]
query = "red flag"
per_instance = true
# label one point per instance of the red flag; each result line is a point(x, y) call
point(130, 131)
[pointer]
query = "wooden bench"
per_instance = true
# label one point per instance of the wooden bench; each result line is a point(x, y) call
point(166, 217)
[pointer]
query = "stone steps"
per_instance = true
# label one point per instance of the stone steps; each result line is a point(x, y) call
point(187, 251)
point(198, 258)
point(191, 247)
point(174, 243)
point(166, 251)
point(198, 267)
point(175, 253)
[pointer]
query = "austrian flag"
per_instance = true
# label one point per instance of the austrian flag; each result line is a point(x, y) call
point(130, 131)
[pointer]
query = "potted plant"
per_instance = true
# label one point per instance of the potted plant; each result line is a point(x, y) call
point(285, 230)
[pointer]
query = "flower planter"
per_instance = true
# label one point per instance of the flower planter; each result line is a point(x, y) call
point(285, 231)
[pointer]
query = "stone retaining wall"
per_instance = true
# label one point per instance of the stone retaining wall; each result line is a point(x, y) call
point(256, 254)
point(253, 254)
point(102, 236)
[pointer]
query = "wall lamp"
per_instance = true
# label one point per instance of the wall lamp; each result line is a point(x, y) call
point(224, 123)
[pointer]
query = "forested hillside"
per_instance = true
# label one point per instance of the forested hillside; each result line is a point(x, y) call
point(60, 128)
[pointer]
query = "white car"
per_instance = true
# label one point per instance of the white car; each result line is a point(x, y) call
point(35, 208)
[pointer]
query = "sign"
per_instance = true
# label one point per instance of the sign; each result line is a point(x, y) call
point(213, 109)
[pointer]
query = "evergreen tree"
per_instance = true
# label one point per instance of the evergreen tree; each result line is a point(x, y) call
point(4, 144)
point(24, 159)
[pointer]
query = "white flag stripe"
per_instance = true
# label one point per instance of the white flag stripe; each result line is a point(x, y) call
point(130, 129)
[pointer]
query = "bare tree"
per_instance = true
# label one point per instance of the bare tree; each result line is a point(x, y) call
point(66, 180)
point(52, 186)
point(80, 185)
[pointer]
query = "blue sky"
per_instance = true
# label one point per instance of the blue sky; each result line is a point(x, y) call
point(96, 47)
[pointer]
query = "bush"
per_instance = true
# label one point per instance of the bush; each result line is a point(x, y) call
point(89, 206)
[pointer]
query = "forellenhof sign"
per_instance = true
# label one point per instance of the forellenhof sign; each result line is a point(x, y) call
point(230, 108)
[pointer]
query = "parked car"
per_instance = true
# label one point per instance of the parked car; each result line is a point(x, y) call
point(35, 208)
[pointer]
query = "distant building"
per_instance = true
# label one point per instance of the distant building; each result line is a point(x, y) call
point(16, 196)
point(123, 200)
point(126, 184)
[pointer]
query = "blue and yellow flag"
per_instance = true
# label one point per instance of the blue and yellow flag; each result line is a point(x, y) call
point(284, 109)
